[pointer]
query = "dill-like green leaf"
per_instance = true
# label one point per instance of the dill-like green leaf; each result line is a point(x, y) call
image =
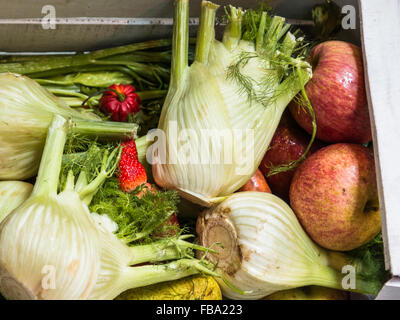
point(245, 82)
point(280, 52)
point(83, 155)
point(137, 217)
point(373, 260)
point(251, 21)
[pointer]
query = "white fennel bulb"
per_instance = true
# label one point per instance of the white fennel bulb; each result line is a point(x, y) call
point(13, 194)
point(221, 112)
point(266, 250)
point(26, 110)
point(52, 246)
point(61, 228)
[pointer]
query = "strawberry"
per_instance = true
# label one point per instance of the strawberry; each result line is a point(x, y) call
point(131, 172)
point(129, 148)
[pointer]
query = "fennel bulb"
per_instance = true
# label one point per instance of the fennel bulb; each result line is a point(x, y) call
point(12, 194)
point(265, 249)
point(235, 90)
point(52, 247)
point(26, 110)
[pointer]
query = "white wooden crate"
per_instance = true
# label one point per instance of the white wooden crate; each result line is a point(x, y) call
point(380, 26)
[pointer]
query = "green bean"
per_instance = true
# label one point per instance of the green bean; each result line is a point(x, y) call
point(72, 101)
point(97, 79)
point(60, 62)
point(62, 91)
point(152, 94)
point(142, 57)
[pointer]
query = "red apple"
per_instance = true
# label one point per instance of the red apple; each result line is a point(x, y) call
point(337, 94)
point(256, 183)
point(334, 195)
point(167, 229)
point(288, 144)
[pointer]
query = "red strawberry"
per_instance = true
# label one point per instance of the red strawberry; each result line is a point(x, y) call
point(131, 172)
point(129, 148)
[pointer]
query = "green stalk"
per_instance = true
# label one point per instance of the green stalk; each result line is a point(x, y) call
point(21, 58)
point(284, 30)
point(105, 129)
point(151, 94)
point(136, 56)
point(81, 182)
point(233, 30)
point(143, 57)
point(45, 82)
point(206, 32)
point(273, 34)
point(108, 166)
point(141, 146)
point(261, 31)
point(288, 44)
point(162, 250)
point(50, 164)
point(128, 70)
point(180, 42)
point(286, 48)
point(135, 277)
point(57, 62)
point(146, 70)
point(65, 92)
point(72, 101)
point(324, 276)
point(292, 85)
point(85, 68)
point(337, 260)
